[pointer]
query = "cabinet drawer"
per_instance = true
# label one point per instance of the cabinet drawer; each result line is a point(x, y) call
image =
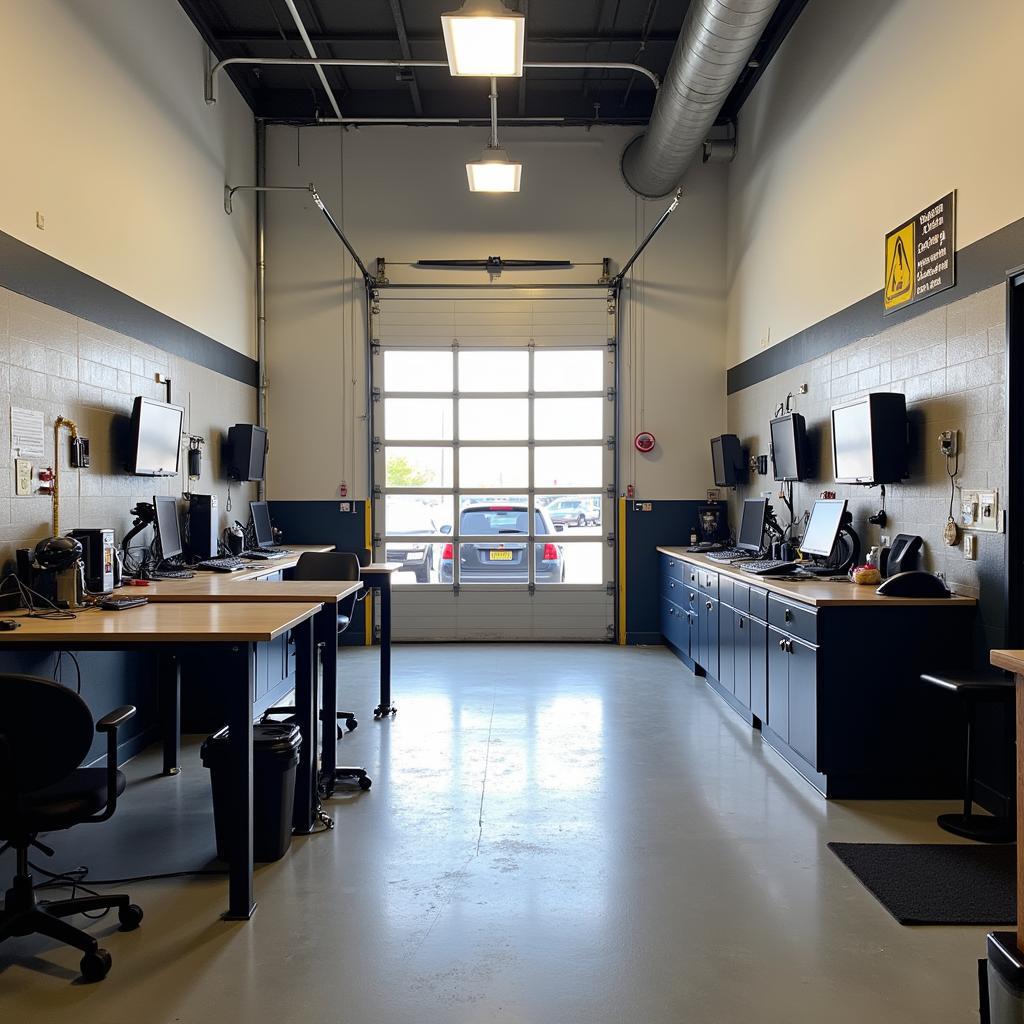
point(675, 626)
point(725, 590)
point(796, 619)
point(691, 575)
point(740, 596)
point(759, 603)
point(673, 589)
point(673, 568)
point(708, 582)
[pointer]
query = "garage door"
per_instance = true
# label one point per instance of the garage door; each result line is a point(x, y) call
point(494, 454)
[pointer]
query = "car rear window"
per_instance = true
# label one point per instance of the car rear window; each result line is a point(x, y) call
point(496, 521)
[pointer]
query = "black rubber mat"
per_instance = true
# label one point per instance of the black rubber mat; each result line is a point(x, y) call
point(937, 883)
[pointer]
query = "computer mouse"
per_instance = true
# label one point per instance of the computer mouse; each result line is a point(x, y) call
point(913, 584)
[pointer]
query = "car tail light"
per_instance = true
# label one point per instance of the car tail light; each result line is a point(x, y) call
point(447, 553)
point(550, 553)
point(500, 508)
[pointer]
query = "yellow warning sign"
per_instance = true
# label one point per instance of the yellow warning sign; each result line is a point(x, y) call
point(899, 266)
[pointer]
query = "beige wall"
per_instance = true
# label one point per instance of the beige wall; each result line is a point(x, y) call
point(869, 112)
point(107, 134)
point(401, 193)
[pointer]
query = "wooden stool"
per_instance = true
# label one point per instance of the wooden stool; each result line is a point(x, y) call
point(973, 687)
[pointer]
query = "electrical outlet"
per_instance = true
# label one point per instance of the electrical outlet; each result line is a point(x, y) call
point(979, 511)
point(802, 390)
point(970, 547)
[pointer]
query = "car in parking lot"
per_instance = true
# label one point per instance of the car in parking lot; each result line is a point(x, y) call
point(575, 511)
point(412, 520)
point(502, 560)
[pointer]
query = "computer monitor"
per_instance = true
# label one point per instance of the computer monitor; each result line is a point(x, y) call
point(823, 527)
point(789, 447)
point(752, 524)
point(260, 512)
point(726, 460)
point(155, 438)
point(168, 530)
point(869, 439)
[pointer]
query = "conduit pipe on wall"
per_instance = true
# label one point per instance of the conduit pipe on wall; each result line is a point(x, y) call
point(714, 46)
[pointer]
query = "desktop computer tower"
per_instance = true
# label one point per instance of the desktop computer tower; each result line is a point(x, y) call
point(203, 525)
point(98, 555)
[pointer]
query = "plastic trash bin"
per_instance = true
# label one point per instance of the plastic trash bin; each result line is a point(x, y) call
point(1005, 979)
point(275, 757)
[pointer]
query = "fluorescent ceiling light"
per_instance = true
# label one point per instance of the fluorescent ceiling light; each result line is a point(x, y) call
point(494, 172)
point(484, 38)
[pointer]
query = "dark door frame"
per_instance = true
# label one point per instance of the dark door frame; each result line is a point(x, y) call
point(1014, 576)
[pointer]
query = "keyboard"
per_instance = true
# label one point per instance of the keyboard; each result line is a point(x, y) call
point(118, 604)
point(266, 554)
point(229, 563)
point(768, 567)
point(728, 554)
point(172, 574)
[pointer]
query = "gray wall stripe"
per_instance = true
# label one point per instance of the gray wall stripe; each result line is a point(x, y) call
point(980, 265)
point(28, 271)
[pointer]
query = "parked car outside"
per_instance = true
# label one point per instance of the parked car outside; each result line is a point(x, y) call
point(575, 511)
point(411, 520)
point(502, 560)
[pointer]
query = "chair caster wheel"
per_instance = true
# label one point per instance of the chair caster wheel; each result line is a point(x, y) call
point(365, 783)
point(95, 966)
point(130, 917)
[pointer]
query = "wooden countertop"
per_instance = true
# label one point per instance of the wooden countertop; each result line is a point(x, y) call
point(379, 568)
point(165, 623)
point(821, 593)
point(220, 587)
point(1012, 661)
point(267, 567)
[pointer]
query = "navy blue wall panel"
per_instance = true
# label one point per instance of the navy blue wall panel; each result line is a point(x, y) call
point(648, 525)
point(322, 522)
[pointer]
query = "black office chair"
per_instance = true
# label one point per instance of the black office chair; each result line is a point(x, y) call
point(45, 733)
point(332, 565)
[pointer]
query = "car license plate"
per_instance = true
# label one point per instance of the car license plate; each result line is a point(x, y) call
point(501, 556)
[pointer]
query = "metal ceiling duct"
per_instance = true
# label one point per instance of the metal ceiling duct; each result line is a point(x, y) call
point(715, 43)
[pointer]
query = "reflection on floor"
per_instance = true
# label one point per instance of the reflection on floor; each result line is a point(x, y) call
point(554, 834)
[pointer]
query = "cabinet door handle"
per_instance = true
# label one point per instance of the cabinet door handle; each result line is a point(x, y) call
point(708, 606)
point(789, 646)
point(671, 585)
point(740, 622)
point(671, 563)
point(782, 645)
point(788, 615)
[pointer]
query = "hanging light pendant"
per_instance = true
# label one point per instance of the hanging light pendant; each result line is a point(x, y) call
point(485, 38)
point(494, 172)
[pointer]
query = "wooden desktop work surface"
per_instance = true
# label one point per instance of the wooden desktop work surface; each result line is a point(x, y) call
point(256, 569)
point(814, 592)
point(166, 623)
point(214, 586)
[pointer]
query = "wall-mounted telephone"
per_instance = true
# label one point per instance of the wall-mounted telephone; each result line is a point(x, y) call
point(904, 554)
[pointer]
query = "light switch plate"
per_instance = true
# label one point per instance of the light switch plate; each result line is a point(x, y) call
point(979, 511)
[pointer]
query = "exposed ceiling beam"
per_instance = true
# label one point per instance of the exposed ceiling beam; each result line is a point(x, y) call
point(247, 36)
point(403, 42)
point(524, 9)
point(308, 43)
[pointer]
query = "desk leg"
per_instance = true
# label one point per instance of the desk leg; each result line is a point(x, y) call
point(325, 632)
point(385, 707)
point(169, 685)
point(240, 683)
point(304, 813)
point(1020, 812)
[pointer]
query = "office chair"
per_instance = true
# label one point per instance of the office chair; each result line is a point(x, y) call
point(45, 733)
point(332, 565)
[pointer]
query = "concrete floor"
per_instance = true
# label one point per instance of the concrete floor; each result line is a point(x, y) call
point(555, 834)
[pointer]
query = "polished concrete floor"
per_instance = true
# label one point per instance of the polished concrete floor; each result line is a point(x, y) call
point(555, 834)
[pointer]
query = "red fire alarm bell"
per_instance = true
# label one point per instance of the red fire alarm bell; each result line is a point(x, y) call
point(644, 441)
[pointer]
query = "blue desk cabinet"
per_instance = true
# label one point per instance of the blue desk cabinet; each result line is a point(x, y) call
point(854, 726)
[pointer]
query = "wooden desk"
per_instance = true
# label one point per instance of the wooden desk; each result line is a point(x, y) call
point(1013, 661)
point(378, 575)
point(210, 588)
point(233, 628)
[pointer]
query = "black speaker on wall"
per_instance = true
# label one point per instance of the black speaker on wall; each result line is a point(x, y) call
point(247, 452)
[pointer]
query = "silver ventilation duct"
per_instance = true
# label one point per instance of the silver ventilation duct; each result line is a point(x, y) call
point(715, 43)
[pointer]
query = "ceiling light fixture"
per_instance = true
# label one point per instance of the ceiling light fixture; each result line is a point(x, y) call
point(494, 172)
point(484, 38)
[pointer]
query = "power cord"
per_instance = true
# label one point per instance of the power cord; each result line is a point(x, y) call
point(28, 598)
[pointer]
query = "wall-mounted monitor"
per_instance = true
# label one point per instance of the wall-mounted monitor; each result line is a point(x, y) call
point(869, 439)
point(247, 452)
point(789, 447)
point(156, 438)
point(727, 460)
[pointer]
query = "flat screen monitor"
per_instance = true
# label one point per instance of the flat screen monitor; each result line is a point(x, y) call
point(789, 445)
point(752, 524)
point(260, 512)
point(823, 527)
point(168, 529)
point(726, 460)
point(156, 438)
point(869, 439)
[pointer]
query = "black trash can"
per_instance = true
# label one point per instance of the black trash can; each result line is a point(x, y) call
point(275, 757)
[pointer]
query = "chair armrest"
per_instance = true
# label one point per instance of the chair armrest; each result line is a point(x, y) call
point(118, 716)
point(108, 724)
